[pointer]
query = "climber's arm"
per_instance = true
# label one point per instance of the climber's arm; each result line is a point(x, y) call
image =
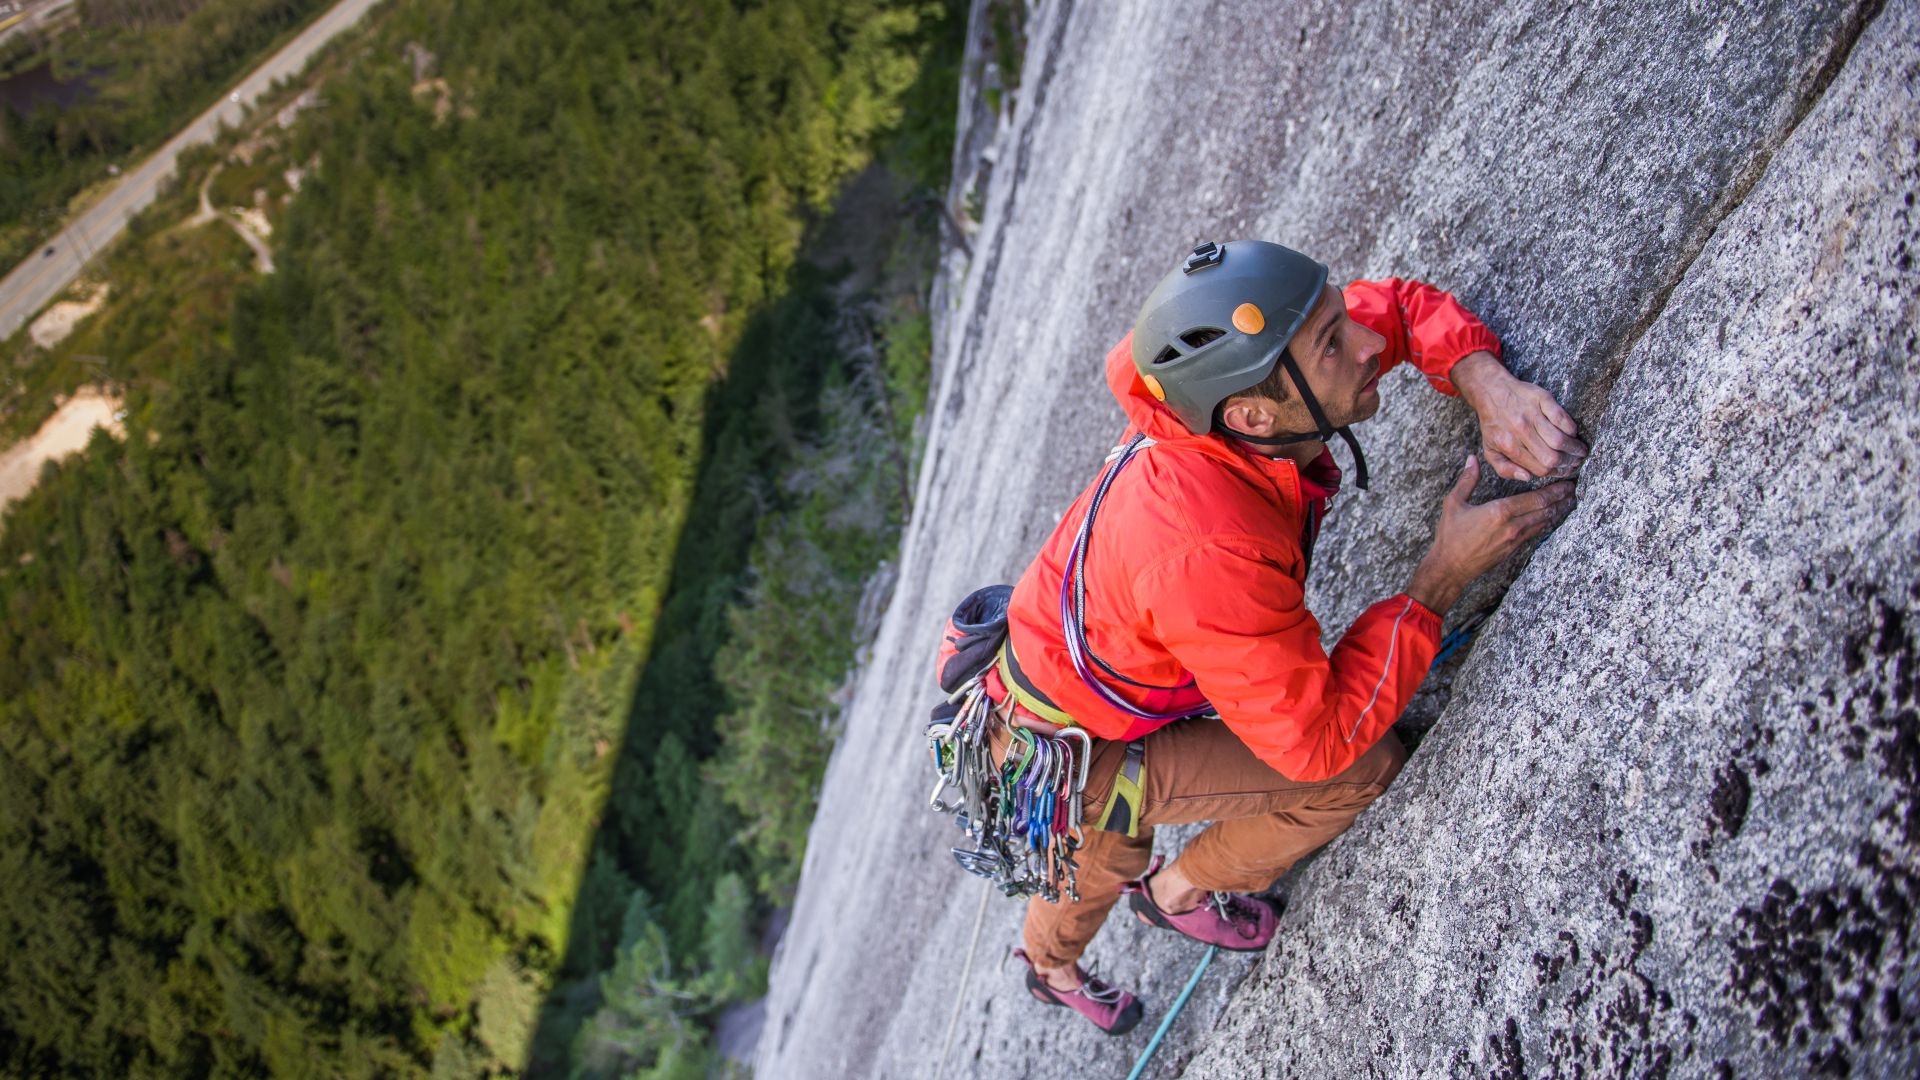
point(1527, 434)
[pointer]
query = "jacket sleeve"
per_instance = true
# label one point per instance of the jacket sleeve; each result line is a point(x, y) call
point(1423, 326)
point(1254, 650)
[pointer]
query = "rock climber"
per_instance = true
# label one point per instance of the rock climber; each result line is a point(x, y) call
point(1174, 628)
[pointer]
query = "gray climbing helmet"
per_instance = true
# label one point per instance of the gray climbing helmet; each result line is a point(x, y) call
point(1216, 326)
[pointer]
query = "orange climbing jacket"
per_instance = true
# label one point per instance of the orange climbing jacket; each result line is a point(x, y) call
point(1195, 575)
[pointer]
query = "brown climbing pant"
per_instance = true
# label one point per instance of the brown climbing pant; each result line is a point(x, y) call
point(1198, 770)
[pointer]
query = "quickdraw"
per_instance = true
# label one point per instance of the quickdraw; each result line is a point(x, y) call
point(1023, 817)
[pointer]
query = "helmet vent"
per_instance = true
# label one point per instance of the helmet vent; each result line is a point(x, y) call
point(1193, 339)
point(1167, 356)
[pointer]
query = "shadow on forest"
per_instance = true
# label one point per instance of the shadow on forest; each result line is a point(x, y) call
point(664, 830)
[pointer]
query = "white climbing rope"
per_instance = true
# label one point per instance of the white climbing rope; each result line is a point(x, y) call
point(960, 998)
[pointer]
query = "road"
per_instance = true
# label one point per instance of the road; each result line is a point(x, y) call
point(40, 278)
point(33, 18)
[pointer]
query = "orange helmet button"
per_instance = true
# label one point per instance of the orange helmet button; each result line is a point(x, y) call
point(1153, 387)
point(1248, 320)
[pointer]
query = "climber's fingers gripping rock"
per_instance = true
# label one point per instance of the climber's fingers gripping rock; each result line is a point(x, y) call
point(1526, 433)
point(1529, 436)
point(1472, 539)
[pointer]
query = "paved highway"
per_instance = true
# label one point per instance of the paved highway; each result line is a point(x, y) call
point(41, 277)
point(31, 18)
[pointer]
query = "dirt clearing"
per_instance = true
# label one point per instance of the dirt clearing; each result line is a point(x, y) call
point(65, 432)
point(53, 327)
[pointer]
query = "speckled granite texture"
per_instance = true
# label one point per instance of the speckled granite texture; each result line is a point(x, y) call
point(1663, 818)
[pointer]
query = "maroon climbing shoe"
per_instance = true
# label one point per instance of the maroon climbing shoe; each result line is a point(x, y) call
point(1233, 921)
point(1111, 1009)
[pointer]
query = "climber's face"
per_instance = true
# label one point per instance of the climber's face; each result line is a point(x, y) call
point(1341, 361)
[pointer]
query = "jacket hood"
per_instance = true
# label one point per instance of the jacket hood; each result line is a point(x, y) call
point(1148, 414)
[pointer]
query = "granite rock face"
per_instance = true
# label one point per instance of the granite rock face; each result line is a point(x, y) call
point(1664, 819)
point(1668, 821)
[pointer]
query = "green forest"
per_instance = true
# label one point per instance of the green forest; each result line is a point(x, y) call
point(437, 677)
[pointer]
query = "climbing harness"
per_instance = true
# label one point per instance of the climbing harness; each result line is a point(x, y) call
point(1122, 813)
point(1023, 816)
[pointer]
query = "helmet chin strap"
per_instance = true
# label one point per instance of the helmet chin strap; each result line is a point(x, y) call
point(1326, 430)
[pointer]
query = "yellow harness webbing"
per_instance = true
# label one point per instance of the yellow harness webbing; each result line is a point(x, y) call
point(1122, 814)
point(1027, 697)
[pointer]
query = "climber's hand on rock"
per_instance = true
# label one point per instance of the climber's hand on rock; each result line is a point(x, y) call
point(1527, 435)
point(1471, 540)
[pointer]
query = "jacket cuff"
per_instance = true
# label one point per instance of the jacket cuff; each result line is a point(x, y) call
point(1421, 617)
point(1472, 341)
